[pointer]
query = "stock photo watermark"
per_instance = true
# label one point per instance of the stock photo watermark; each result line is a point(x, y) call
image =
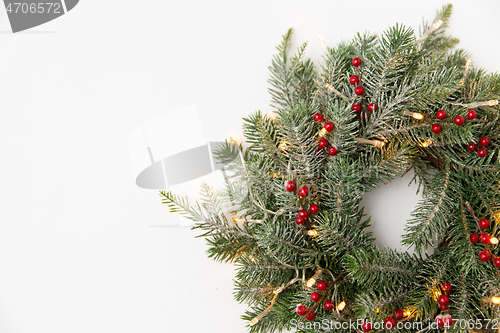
point(357, 325)
point(24, 15)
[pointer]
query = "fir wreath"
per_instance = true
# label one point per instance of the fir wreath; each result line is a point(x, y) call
point(379, 107)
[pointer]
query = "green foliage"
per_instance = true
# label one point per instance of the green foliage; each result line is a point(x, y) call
point(402, 73)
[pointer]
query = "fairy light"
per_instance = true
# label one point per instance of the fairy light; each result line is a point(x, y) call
point(414, 115)
point(426, 143)
point(493, 102)
point(494, 240)
point(312, 280)
point(252, 258)
point(282, 145)
point(466, 71)
point(272, 115)
point(322, 42)
point(313, 233)
point(341, 306)
point(275, 175)
point(433, 28)
point(436, 293)
point(495, 300)
point(323, 132)
point(407, 313)
point(276, 292)
point(376, 143)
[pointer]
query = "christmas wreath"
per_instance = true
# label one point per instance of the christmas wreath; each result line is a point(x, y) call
point(378, 107)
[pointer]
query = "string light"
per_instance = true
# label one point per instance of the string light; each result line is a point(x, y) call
point(275, 175)
point(282, 145)
point(415, 115)
point(322, 42)
point(435, 26)
point(495, 300)
point(323, 132)
point(494, 240)
point(313, 233)
point(466, 71)
point(426, 143)
point(376, 143)
point(312, 280)
point(407, 313)
point(341, 306)
point(272, 115)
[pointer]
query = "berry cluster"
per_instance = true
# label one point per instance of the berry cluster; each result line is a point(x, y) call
point(303, 192)
point(485, 238)
point(482, 152)
point(460, 120)
point(443, 319)
point(328, 126)
point(316, 297)
point(359, 90)
point(390, 322)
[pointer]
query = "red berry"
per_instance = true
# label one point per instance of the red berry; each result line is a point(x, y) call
point(474, 238)
point(390, 322)
point(471, 114)
point(328, 305)
point(484, 223)
point(333, 151)
point(446, 287)
point(485, 238)
point(471, 146)
point(290, 186)
point(315, 297)
point(443, 307)
point(329, 126)
point(439, 320)
point(447, 320)
point(398, 314)
point(496, 261)
point(300, 220)
point(484, 256)
point(303, 191)
point(484, 141)
point(354, 79)
point(436, 128)
point(356, 107)
point(310, 316)
point(356, 62)
point(459, 120)
point(301, 310)
point(482, 152)
point(359, 90)
point(441, 114)
point(443, 300)
point(321, 285)
point(367, 326)
point(318, 117)
point(314, 209)
point(303, 214)
point(372, 107)
point(322, 143)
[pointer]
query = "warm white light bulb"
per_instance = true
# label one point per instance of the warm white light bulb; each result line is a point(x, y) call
point(341, 306)
point(272, 115)
point(495, 300)
point(312, 233)
point(494, 240)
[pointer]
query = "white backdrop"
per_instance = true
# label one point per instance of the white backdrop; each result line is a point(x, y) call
point(77, 250)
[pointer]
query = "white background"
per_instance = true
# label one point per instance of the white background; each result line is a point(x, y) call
point(77, 250)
